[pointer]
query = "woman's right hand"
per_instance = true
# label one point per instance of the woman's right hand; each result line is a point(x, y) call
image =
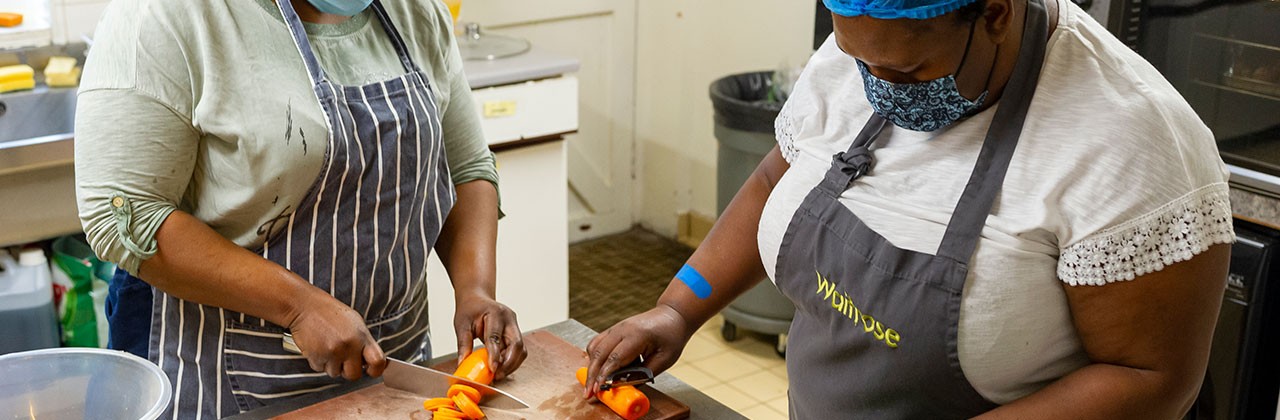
point(658, 334)
point(335, 340)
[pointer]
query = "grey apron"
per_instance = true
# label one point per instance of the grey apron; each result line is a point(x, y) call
point(363, 233)
point(875, 329)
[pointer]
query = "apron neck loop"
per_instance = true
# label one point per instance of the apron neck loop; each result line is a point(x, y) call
point(971, 212)
point(852, 164)
point(300, 40)
point(402, 50)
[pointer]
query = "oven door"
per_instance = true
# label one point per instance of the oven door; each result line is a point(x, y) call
point(1241, 381)
point(1224, 57)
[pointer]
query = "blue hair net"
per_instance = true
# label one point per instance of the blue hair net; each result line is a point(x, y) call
point(895, 9)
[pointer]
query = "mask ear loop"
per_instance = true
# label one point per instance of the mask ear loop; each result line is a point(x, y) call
point(965, 58)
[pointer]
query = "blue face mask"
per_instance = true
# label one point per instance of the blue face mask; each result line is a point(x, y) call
point(340, 7)
point(924, 106)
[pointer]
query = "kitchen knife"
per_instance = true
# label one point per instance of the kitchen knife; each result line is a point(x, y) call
point(427, 382)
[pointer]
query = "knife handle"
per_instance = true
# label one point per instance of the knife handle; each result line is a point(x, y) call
point(290, 345)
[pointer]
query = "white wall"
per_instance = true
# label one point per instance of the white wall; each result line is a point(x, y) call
point(73, 19)
point(683, 46)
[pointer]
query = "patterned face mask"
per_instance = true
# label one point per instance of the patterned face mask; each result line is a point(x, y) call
point(923, 106)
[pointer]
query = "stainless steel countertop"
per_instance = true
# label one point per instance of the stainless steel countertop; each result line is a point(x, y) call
point(701, 406)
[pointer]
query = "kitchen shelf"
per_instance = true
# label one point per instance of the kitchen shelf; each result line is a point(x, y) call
point(1240, 42)
point(36, 29)
point(1237, 90)
point(1244, 67)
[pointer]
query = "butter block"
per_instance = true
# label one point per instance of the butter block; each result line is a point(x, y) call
point(61, 72)
point(16, 72)
point(16, 77)
point(11, 86)
point(71, 79)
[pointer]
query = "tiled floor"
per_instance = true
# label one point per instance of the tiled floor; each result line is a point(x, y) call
point(617, 276)
point(614, 277)
point(746, 375)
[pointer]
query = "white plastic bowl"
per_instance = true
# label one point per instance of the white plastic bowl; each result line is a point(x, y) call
point(81, 383)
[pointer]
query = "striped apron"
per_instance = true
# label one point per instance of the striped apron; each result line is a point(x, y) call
point(363, 233)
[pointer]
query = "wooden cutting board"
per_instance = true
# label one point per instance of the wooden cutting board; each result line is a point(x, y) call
point(546, 381)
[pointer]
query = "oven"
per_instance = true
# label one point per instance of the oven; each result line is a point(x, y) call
point(1243, 378)
point(1224, 57)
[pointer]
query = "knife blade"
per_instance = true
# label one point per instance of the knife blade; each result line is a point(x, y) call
point(428, 382)
point(425, 381)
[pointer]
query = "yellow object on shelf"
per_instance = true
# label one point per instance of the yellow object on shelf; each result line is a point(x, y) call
point(9, 20)
point(16, 77)
point(17, 85)
point(61, 72)
point(16, 72)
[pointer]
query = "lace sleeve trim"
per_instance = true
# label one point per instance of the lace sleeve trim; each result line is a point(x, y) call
point(1173, 233)
point(785, 130)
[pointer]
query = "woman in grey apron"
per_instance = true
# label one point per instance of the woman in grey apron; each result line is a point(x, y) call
point(360, 237)
point(875, 333)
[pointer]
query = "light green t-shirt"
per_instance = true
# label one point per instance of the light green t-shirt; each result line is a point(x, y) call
point(205, 106)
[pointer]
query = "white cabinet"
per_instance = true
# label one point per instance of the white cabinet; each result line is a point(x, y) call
point(533, 252)
point(533, 240)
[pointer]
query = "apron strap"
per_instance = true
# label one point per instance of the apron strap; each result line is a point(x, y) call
point(971, 212)
point(314, 70)
point(402, 51)
point(300, 41)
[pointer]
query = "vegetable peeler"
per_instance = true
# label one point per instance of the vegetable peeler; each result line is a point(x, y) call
point(632, 374)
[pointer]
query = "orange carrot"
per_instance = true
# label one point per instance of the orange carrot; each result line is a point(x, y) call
point(9, 20)
point(436, 403)
point(446, 411)
point(443, 415)
point(471, 393)
point(468, 407)
point(476, 367)
point(627, 401)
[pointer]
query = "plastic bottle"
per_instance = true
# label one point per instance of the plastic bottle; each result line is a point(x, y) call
point(26, 303)
point(84, 280)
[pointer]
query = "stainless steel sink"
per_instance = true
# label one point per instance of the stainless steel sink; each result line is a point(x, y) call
point(36, 128)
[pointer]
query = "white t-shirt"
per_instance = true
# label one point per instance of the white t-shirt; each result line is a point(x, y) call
point(1114, 177)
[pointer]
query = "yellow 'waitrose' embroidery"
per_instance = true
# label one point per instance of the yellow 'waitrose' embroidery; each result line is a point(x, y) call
point(842, 303)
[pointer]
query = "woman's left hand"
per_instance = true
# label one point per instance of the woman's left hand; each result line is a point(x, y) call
point(480, 316)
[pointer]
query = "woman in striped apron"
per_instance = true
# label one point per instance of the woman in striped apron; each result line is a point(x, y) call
point(344, 273)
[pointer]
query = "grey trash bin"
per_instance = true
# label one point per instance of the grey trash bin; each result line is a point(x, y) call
point(744, 112)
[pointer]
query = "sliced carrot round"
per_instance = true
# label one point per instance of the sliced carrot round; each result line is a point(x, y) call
point(450, 410)
point(441, 415)
point(471, 393)
point(468, 407)
point(436, 403)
